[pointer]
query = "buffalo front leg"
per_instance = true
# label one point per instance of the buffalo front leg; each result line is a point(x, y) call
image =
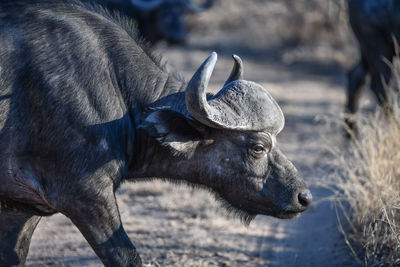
point(356, 79)
point(98, 219)
point(380, 82)
point(16, 229)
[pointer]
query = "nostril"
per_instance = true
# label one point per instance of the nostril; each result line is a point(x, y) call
point(305, 198)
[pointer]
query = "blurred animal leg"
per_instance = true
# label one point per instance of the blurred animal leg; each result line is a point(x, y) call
point(16, 229)
point(380, 83)
point(356, 78)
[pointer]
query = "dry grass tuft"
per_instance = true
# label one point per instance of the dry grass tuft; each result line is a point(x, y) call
point(368, 188)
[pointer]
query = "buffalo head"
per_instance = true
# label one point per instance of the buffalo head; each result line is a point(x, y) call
point(227, 142)
point(165, 19)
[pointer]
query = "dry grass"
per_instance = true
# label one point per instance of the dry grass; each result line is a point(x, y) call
point(368, 188)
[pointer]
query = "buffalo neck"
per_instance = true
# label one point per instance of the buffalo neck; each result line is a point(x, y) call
point(155, 161)
point(139, 79)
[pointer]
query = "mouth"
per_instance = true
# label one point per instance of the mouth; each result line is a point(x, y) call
point(288, 215)
point(280, 214)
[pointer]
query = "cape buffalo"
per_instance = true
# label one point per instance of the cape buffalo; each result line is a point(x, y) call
point(376, 24)
point(84, 106)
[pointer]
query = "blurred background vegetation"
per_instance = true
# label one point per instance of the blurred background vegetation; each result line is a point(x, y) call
point(288, 30)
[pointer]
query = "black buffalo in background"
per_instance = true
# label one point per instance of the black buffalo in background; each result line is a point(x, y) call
point(376, 25)
point(158, 19)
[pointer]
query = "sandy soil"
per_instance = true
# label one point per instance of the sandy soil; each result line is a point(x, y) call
point(176, 226)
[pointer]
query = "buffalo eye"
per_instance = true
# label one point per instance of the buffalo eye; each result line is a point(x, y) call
point(258, 149)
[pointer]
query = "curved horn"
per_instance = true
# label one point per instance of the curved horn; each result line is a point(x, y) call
point(196, 8)
point(196, 101)
point(237, 70)
point(146, 5)
point(241, 105)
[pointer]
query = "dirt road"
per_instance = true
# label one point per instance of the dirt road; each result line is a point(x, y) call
point(177, 226)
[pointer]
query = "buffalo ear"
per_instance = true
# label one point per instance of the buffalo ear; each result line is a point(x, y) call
point(173, 130)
